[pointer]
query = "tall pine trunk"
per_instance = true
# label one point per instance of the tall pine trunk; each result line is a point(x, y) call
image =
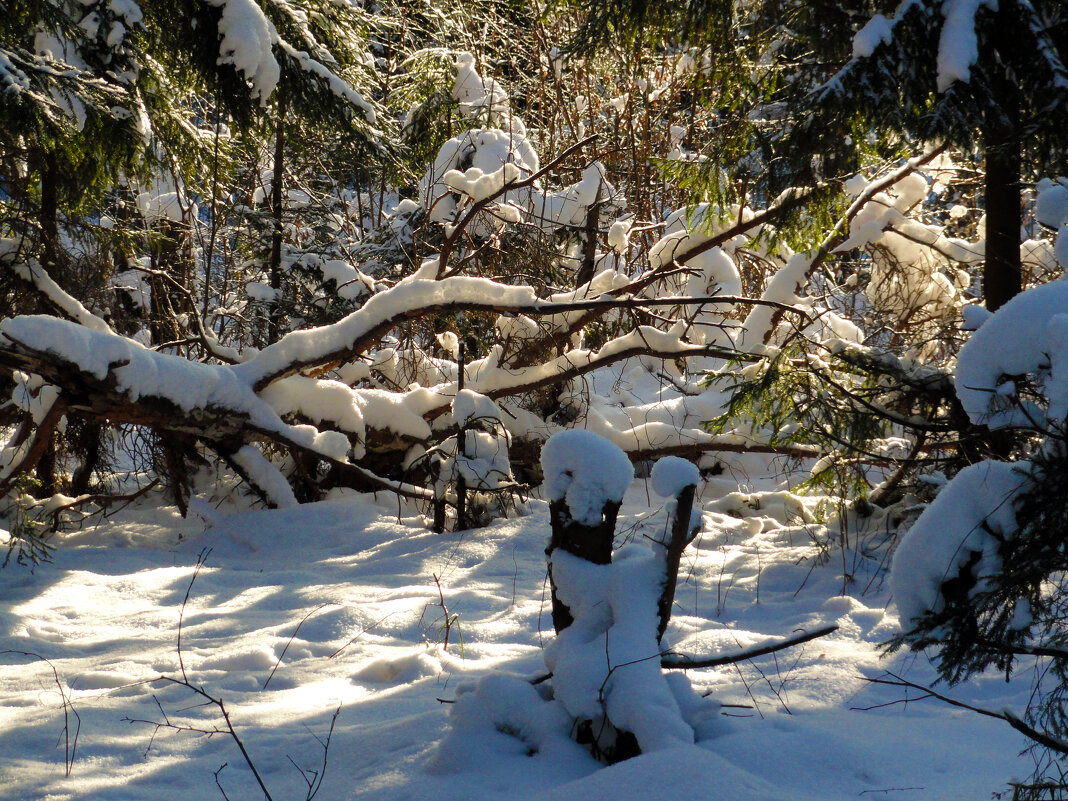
point(49, 216)
point(1002, 273)
point(47, 478)
point(277, 187)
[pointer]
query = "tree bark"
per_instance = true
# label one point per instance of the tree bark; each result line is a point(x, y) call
point(592, 543)
point(1002, 273)
point(680, 537)
point(277, 185)
point(461, 447)
point(589, 247)
point(39, 446)
point(87, 442)
point(49, 219)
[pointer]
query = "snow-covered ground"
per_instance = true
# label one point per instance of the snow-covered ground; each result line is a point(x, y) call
point(337, 605)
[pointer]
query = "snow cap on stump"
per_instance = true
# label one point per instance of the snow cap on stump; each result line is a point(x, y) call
point(672, 474)
point(587, 471)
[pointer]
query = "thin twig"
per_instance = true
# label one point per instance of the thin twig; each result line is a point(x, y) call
point(363, 631)
point(209, 700)
point(292, 637)
point(201, 558)
point(70, 744)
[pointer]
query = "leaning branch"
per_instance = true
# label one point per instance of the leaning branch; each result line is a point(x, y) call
point(839, 233)
point(346, 339)
point(70, 730)
point(670, 265)
point(97, 398)
point(30, 450)
point(57, 298)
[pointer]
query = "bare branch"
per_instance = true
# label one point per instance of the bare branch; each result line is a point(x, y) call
point(292, 637)
point(202, 557)
point(673, 661)
point(1040, 737)
point(451, 240)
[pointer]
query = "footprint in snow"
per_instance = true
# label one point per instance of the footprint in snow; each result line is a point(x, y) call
point(401, 669)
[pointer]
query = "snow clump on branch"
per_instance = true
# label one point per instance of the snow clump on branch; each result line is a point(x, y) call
point(954, 547)
point(956, 537)
point(1026, 336)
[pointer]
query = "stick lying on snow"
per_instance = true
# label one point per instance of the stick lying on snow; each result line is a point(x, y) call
point(673, 661)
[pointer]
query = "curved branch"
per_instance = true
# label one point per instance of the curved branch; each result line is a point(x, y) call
point(841, 229)
point(1053, 743)
point(671, 661)
point(27, 455)
point(412, 299)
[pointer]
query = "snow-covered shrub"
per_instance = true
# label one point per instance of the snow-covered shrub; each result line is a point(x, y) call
point(334, 276)
point(607, 689)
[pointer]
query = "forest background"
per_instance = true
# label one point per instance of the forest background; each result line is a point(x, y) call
point(269, 253)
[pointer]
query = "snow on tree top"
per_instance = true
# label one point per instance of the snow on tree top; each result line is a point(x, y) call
point(958, 48)
point(156, 206)
point(587, 471)
point(474, 91)
point(878, 31)
point(1051, 202)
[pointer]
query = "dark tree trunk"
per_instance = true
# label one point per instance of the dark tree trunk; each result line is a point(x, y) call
point(178, 452)
point(1002, 274)
point(277, 187)
point(49, 219)
point(589, 249)
point(680, 538)
point(47, 479)
point(87, 443)
point(49, 254)
point(607, 742)
point(167, 301)
point(461, 446)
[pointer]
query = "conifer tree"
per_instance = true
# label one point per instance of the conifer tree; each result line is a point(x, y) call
point(986, 77)
point(989, 78)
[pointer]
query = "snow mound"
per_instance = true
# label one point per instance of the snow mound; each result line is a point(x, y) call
point(608, 659)
point(501, 717)
point(470, 405)
point(402, 669)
